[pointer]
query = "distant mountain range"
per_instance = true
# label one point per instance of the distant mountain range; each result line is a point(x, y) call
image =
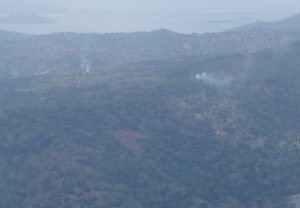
point(6, 36)
point(290, 24)
point(65, 49)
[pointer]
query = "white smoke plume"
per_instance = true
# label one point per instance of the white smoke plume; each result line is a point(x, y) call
point(85, 61)
point(213, 80)
point(86, 65)
point(224, 79)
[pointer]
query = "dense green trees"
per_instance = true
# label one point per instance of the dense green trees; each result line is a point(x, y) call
point(150, 135)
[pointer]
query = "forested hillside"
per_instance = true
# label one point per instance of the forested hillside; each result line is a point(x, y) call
point(190, 131)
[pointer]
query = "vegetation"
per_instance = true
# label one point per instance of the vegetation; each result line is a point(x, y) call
point(148, 134)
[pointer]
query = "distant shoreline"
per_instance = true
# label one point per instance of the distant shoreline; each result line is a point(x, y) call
point(25, 19)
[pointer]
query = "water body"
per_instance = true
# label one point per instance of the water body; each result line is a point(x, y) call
point(184, 22)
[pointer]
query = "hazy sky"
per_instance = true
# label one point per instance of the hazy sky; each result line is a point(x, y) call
point(174, 5)
point(183, 4)
point(186, 16)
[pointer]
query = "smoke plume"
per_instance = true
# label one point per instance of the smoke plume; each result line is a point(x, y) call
point(85, 61)
point(213, 80)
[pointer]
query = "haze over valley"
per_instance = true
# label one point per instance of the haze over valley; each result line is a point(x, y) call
point(133, 116)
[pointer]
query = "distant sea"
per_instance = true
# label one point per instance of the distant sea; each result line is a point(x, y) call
point(183, 22)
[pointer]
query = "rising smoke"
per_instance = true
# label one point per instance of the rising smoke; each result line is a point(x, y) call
point(214, 80)
point(223, 79)
point(85, 61)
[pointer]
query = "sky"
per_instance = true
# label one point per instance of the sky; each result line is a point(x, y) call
point(187, 16)
point(172, 5)
point(186, 5)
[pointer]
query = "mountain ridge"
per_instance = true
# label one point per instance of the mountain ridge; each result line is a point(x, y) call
point(290, 24)
point(73, 49)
